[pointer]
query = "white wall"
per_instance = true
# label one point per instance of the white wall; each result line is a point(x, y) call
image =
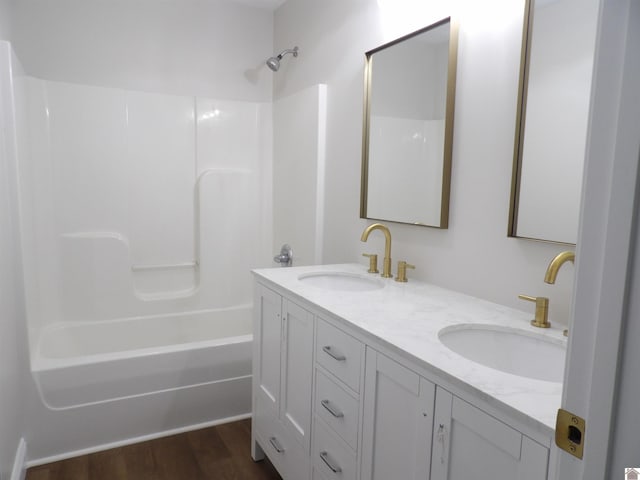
point(474, 255)
point(13, 346)
point(206, 48)
point(6, 9)
point(299, 123)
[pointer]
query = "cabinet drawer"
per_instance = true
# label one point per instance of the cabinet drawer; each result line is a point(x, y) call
point(287, 456)
point(271, 435)
point(339, 353)
point(331, 456)
point(337, 408)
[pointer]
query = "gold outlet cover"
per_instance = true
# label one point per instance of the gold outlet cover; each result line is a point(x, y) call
point(570, 431)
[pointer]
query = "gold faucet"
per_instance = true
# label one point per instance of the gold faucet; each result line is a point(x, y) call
point(386, 266)
point(554, 266)
point(556, 263)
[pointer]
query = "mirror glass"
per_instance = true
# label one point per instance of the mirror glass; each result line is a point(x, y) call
point(551, 129)
point(408, 127)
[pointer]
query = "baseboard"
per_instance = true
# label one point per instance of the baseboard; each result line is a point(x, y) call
point(129, 441)
point(19, 471)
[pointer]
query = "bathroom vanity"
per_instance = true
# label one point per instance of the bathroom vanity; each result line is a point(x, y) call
point(360, 377)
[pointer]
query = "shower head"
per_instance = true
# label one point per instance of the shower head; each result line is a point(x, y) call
point(274, 62)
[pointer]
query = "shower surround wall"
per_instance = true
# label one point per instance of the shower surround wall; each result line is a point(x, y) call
point(141, 212)
point(14, 362)
point(138, 203)
point(145, 170)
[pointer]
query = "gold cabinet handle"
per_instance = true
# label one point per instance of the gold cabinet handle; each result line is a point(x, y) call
point(402, 271)
point(373, 262)
point(542, 310)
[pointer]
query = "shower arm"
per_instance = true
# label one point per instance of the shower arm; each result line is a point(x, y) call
point(293, 51)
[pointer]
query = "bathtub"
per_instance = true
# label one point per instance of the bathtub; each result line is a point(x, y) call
point(82, 364)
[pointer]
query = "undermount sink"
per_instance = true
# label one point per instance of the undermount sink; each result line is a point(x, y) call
point(341, 281)
point(508, 349)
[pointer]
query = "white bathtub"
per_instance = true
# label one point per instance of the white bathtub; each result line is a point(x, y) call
point(82, 364)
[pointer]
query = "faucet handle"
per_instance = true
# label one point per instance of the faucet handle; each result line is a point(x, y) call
point(373, 262)
point(542, 310)
point(402, 271)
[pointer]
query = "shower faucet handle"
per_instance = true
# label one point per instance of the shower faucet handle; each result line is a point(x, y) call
point(285, 258)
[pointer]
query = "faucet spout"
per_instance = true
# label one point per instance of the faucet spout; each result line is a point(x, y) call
point(556, 263)
point(386, 268)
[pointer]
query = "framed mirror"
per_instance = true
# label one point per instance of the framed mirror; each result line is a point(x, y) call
point(408, 127)
point(551, 123)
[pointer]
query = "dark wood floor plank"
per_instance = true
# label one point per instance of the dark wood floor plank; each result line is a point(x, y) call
point(212, 455)
point(108, 465)
point(140, 462)
point(237, 437)
point(175, 459)
point(39, 473)
point(216, 453)
point(76, 468)
point(245, 425)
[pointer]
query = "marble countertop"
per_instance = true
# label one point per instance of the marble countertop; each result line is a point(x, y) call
point(407, 317)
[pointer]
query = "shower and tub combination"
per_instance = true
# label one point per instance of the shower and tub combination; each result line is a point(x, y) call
point(142, 216)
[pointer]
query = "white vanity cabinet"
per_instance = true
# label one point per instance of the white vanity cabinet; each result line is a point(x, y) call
point(331, 401)
point(282, 383)
point(398, 420)
point(469, 443)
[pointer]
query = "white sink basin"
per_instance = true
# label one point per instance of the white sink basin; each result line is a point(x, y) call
point(508, 349)
point(341, 281)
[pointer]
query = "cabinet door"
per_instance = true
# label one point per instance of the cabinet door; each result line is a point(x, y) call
point(297, 372)
point(268, 347)
point(468, 443)
point(398, 409)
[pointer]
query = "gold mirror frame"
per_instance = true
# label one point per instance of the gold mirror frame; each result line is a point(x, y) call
point(448, 124)
point(523, 85)
point(519, 141)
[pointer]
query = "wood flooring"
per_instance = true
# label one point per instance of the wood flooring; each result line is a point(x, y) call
point(215, 453)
